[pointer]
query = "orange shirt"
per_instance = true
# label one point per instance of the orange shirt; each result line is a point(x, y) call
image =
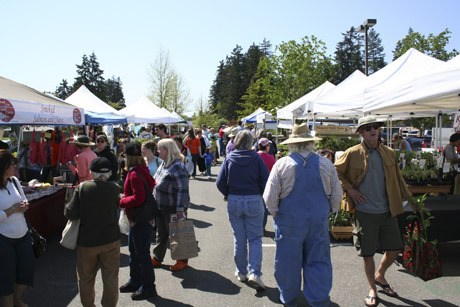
point(193, 145)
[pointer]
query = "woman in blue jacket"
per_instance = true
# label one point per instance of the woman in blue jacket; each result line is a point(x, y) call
point(242, 180)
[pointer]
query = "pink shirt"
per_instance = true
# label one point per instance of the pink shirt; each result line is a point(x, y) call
point(83, 160)
point(268, 159)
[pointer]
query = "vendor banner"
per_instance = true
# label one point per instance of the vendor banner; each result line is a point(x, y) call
point(36, 113)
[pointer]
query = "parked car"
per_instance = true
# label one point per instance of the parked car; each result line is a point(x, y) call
point(416, 143)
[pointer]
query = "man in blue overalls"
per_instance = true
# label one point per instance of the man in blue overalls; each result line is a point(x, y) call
point(301, 191)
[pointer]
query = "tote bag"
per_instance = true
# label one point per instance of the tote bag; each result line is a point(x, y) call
point(70, 234)
point(182, 240)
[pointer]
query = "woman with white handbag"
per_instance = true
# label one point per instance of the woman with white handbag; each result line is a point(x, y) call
point(95, 204)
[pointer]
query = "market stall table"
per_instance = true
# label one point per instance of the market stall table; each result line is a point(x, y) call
point(445, 225)
point(46, 214)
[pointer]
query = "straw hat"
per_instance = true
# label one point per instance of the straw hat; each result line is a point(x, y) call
point(370, 119)
point(300, 134)
point(234, 132)
point(82, 140)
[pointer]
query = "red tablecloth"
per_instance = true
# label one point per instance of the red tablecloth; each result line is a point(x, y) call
point(46, 214)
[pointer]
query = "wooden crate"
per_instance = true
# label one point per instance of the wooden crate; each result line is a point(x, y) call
point(444, 189)
point(342, 232)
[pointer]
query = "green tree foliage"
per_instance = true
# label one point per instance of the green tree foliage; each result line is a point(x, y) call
point(297, 69)
point(234, 75)
point(375, 52)
point(114, 93)
point(179, 94)
point(257, 95)
point(167, 88)
point(63, 90)
point(90, 75)
point(348, 55)
point(433, 45)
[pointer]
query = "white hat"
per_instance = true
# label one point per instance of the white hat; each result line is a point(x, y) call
point(234, 132)
point(300, 134)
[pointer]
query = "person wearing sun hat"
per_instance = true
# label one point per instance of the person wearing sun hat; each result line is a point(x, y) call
point(83, 159)
point(375, 188)
point(231, 145)
point(301, 190)
point(95, 203)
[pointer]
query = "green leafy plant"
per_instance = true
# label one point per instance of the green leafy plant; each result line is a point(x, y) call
point(340, 218)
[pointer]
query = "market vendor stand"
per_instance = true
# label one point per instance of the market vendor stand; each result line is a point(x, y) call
point(46, 210)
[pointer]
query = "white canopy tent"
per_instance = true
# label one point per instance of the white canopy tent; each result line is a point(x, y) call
point(296, 109)
point(84, 98)
point(145, 111)
point(20, 104)
point(252, 118)
point(345, 99)
point(436, 91)
point(340, 101)
point(97, 111)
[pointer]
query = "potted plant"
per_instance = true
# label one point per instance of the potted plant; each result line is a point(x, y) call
point(340, 224)
point(420, 254)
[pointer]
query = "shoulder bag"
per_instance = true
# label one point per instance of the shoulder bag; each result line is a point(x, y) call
point(147, 211)
point(38, 242)
point(70, 233)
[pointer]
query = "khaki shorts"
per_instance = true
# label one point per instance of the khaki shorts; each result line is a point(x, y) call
point(377, 232)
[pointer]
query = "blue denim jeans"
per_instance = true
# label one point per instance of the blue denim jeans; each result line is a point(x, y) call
point(140, 265)
point(246, 215)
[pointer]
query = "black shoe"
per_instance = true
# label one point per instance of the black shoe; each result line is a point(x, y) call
point(141, 295)
point(128, 287)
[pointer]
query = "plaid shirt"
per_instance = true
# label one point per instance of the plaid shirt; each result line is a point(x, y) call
point(172, 189)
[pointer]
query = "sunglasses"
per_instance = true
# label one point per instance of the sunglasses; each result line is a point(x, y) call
point(369, 127)
point(100, 141)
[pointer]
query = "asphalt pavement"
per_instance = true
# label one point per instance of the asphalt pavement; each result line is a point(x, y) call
point(210, 280)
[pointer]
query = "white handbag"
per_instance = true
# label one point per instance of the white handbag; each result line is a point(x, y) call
point(70, 234)
point(123, 222)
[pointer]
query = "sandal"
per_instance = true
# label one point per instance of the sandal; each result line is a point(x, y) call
point(386, 289)
point(371, 301)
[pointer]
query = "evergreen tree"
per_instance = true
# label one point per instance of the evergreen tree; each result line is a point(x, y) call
point(90, 75)
point(376, 56)
point(348, 55)
point(63, 90)
point(257, 95)
point(114, 93)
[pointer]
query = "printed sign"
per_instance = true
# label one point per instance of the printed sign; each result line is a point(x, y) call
point(35, 113)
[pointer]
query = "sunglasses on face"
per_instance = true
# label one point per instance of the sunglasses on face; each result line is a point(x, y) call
point(369, 127)
point(100, 141)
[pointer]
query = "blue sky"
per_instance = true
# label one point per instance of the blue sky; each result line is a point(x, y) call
point(42, 41)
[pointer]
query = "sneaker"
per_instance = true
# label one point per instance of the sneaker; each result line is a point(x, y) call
point(240, 277)
point(179, 266)
point(255, 281)
point(141, 295)
point(155, 262)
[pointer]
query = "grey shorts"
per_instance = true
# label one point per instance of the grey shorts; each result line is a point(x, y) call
point(377, 232)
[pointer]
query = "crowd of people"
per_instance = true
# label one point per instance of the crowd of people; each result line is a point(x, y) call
point(299, 191)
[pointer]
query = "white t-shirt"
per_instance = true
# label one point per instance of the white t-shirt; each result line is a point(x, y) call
point(15, 225)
